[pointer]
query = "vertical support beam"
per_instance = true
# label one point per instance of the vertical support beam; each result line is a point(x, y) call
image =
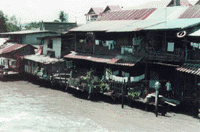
point(196, 91)
point(186, 51)
point(93, 46)
point(146, 74)
point(184, 88)
point(123, 85)
point(75, 41)
point(165, 41)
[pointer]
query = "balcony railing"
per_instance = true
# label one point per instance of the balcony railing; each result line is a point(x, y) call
point(177, 55)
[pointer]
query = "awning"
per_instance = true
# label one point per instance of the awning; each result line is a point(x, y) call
point(195, 34)
point(190, 68)
point(42, 59)
point(114, 60)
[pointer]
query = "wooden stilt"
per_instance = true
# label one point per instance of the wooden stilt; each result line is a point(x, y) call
point(123, 95)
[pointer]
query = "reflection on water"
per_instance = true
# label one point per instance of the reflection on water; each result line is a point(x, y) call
point(25, 112)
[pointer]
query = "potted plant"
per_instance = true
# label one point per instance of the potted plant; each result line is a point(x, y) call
point(133, 95)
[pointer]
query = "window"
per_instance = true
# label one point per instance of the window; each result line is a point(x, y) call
point(50, 44)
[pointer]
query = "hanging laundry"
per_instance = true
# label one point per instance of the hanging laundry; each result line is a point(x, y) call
point(116, 72)
point(125, 74)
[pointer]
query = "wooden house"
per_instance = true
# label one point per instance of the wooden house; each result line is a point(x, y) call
point(26, 36)
point(48, 60)
point(159, 36)
point(93, 14)
point(41, 66)
point(96, 12)
point(10, 55)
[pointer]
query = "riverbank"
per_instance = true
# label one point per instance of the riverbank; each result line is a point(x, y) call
point(27, 106)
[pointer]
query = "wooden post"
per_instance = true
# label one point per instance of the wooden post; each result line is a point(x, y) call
point(65, 77)
point(184, 88)
point(93, 43)
point(197, 91)
point(123, 94)
point(75, 41)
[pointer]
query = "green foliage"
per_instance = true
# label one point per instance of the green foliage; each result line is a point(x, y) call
point(3, 19)
point(11, 27)
point(133, 94)
point(37, 70)
point(109, 71)
point(33, 25)
point(8, 24)
point(104, 86)
point(63, 16)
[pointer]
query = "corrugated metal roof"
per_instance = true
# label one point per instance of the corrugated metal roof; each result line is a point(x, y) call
point(112, 8)
point(96, 10)
point(42, 59)
point(169, 13)
point(3, 40)
point(192, 12)
point(136, 14)
point(101, 25)
point(135, 26)
point(115, 60)
point(162, 3)
point(185, 3)
point(157, 17)
point(196, 33)
point(154, 4)
point(11, 47)
point(175, 24)
point(128, 26)
point(190, 68)
point(25, 32)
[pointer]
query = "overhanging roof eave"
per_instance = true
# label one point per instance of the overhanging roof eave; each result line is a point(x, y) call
point(163, 29)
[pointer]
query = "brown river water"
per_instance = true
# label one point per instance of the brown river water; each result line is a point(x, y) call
point(29, 107)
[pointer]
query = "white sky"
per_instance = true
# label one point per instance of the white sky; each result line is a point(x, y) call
point(47, 10)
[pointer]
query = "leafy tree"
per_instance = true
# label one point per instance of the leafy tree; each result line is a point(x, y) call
point(8, 24)
point(13, 24)
point(33, 25)
point(63, 16)
point(12, 27)
point(3, 19)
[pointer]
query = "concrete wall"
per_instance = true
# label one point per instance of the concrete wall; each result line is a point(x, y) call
point(32, 38)
point(56, 47)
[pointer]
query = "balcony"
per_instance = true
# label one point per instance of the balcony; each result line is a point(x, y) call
point(98, 50)
point(160, 55)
